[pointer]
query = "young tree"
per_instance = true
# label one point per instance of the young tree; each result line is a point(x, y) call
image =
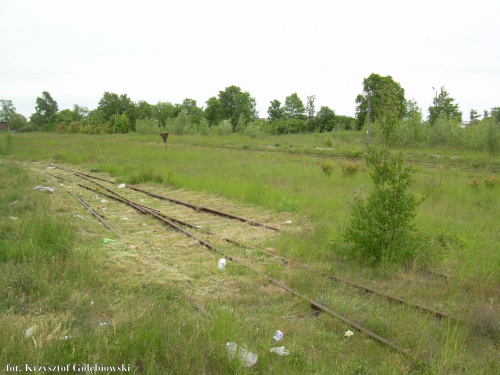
point(17, 121)
point(163, 111)
point(325, 119)
point(444, 104)
point(45, 108)
point(275, 111)
point(294, 108)
point(310, 107)
point(376, 85)
point(214, 112)
point(7, 109)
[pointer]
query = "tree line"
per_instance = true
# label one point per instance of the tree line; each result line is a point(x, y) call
point(234, 110)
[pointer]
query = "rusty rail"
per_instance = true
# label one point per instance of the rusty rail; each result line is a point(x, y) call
point(177, 201)
point(94, 212)
point(439, 314)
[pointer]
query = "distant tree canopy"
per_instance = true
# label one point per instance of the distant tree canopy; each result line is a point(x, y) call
point(45, 108)
point(6, 109)
point(443, 103)
point(231, 104)
point(379, 87)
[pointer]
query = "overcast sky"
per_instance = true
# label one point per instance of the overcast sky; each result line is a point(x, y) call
point(170, 50)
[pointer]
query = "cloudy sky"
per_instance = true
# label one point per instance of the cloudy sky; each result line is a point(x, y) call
point(170, 50)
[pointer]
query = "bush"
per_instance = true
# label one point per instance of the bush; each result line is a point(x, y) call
point(349, 169)
point(224, 128)
point(252, 130)
point(147, 126)
point(327, 168)
point(380, 228)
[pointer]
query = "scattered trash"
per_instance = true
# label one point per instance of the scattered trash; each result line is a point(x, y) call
point(121, 186)
point(278, 335)
point(108, 240)
point(61, 184)
point(142, 200)
point(144, 225)
point(13, 202)
point(103, 324)
point(248, 359)
point(124, 218)
point(13, 218)
point(50, 168)
point(348, 334)
point(78, 216)
point(101, 208)
point(64, 338)
point(91, 303)
point(199, 226)
point(221, 264)
point(288, 222)
point(30, 331)
point(104, 201)
point(45, 188)
point(132, 246)
point(280, 350)
point(226, 308)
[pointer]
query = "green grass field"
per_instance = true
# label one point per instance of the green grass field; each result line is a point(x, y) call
point(60, 278)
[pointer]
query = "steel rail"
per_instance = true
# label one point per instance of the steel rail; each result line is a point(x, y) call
point(95, 213)
point(177, 201)
point(439, 314)
point(205, 209)
point(270, 278)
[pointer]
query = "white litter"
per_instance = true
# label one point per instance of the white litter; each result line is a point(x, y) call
point(348, 333)
point(280, 350)
point(278, 335)
point(221, 264)
point(13, 202)
point(288, 222)
point(91, 303)
point(50, 168)
point(144, 225)
point(64, 338)
point(45, 188)
point(103, 324)
point(121, 186)
point(30, 331)
point(13, 218)
point(104, 201)
point(77, 216)
point(124, 218)
point(247, 358)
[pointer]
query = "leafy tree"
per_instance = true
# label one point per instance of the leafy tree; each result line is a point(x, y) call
point(310, 108)
point(495, 113)
point(7, 109)
point(192, 110)
point(112, 104)
point(45, 108)
point(325, 119)
point(235, 102)
point(143, 110)
point(214, 112)
point(474, 116)
point(412, 109)
point(163, 111)
point(443, 103)
point(275, 111)
point(389, 110)
point(294, 108)
point(377, 86)
point(16, 121)
point(181, 123)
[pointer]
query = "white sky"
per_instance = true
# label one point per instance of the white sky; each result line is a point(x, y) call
point(167, 51)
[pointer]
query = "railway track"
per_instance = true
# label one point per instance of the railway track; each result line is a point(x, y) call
point(186, 229)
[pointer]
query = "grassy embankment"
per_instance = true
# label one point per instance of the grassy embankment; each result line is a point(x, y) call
point(457, 224)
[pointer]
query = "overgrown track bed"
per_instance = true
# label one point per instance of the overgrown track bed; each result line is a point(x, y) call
point(248, 263)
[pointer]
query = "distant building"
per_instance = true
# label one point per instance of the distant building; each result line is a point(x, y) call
point(4, 125)
point(463, 124)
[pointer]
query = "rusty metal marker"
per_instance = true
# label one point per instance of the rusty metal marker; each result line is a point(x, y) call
point(164, 136)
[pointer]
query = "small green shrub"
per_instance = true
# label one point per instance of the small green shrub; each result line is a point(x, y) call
point(491, 182)
point(381, 227)
point(327, 168)
point(349, 169)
